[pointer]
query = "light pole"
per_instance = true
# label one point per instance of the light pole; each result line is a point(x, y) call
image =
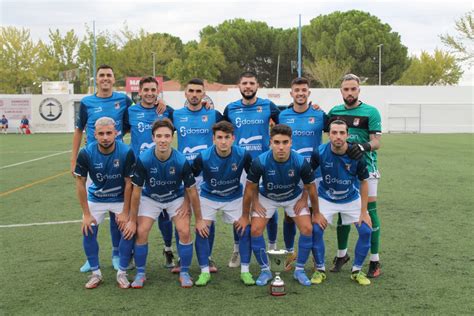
point(154, 55)
point(380, 63)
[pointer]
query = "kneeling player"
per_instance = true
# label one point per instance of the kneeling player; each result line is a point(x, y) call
point(162, 171)
point(109, 165)
point(338, 193)
point(281, 170)
point(221, 166)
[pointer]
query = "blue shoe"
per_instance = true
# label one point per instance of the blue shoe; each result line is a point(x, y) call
point(185, 280)
point(86, 267)
point(116, 262)
point(264, 277)
point(301, 277)
point(139, 281)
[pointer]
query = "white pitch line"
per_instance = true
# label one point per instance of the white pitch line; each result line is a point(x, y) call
point(43, 224)
point(36, 159)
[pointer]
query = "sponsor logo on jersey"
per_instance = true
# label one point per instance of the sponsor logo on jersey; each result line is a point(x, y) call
point(98, 165)
point(356, 121)
point(234, 167)
point(183, 131)
point(290, 121)
point(98, 109)
point(239, 121)
point(204, 118)
point(140, 115)
point(143, 127)
point(297, 132)
point(271, 172)
point(239, 110)
point(116, 163)
point(172, 170)
point(328, 179)
point(117, 105)
point(153, 170)
point(311, 120)
point(102, 177)
point(214, 169)
point(183, 119)
point(291, 173)
point(259, 109)
point(328, 165)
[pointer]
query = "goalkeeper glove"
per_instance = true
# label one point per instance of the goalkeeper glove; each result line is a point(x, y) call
point(356, 151)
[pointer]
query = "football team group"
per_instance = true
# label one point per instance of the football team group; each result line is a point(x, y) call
point(246, 163)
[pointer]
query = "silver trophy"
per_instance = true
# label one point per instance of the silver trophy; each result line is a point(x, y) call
point(277, 264)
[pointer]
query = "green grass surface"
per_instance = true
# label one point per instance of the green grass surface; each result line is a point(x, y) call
point(425, 204)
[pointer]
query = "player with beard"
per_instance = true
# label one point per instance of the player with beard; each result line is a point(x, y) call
point(251, 118)
point(365, 130)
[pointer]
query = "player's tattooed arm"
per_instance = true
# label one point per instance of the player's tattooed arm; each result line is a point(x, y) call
point(87, 219)
point(364, 196)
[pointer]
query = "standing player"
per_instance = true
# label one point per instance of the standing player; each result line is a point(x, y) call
point(4, 124)
point(281, 170)
point(24, 127)
point(165, 176)
point(365, 130)
point(141, 117)
point(251, 117)
point(307, 124)
point(339, 194)
point(221, 166)
point(108, 103)
point(193, 124)
point(109, 165)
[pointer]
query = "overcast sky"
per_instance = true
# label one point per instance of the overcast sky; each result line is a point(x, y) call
point(419, 22)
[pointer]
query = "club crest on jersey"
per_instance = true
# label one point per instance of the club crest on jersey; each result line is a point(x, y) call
point(311, 120)
point(172, 170)
point(204, 118)
point(117, 105)
point(116, 163)
point(348, 166)
point(291, 173)
point(356, 121)
point(234, 167)
point(259, 109)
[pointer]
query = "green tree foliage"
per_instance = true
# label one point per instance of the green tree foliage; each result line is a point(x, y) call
point(198, 61)
point(351, 38)
point(18, 60)
point(437, 69)
point(327, 72)
point(246, 46)
point(285, 45)
point(462, 44)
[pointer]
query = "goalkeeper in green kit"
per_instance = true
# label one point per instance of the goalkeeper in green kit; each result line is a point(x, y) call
point(365, 130)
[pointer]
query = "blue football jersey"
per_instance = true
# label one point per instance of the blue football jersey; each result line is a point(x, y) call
point(251, 123)
point(221, 175)
point(307, 129)
point(107, 172)
point(280, 180)
point(92, 108)
point(194, 130)
point(140, 120)
point(340, 174)
point(163, 180)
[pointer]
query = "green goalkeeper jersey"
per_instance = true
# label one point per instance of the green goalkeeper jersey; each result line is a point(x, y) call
point(362, 121)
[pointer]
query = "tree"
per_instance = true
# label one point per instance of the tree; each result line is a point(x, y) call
point(284, 45)
point(327, 72)
point(352, 38)
point(246, 46)
point(199, 61)
point(18, 58)
point(439, 69)
point(462, 44)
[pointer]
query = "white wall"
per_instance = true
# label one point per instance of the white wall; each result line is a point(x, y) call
point(424, 109)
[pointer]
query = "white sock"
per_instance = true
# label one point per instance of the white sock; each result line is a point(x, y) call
point(354, 268)
point(121, 271)
point(236, 247)
point(205, 270)
point(341, 253)
point(272, 246)
point(97, 272)
point(168, 249)
point(374, 257)
point(244, 268)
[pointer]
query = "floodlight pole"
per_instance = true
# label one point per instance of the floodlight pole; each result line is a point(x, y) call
point(380, 63)
point(299, 47)
point(154, 56)
point(94, 48)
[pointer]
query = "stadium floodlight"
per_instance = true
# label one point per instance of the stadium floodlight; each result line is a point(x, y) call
point(380, 63)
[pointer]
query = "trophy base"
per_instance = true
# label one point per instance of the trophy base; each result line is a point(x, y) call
point(277, 287)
